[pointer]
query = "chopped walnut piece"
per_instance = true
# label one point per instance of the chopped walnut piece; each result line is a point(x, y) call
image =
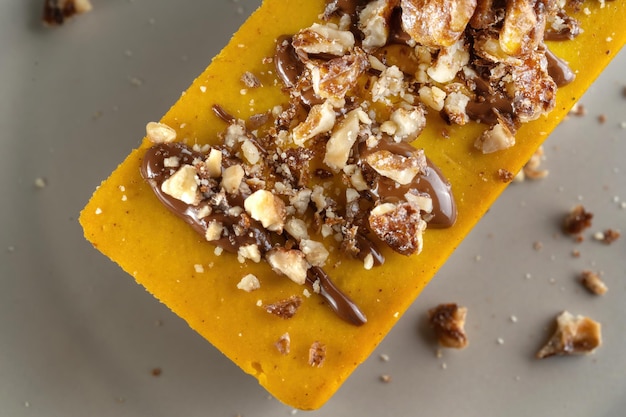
point(334, 78)
point(593, 282)
point(283, 344)
point(250, 80)
point(573, 335)
point(531, 169)
point(317, 354)
point(610, 235)
point(374, 23)
point(249, 283)
point(231, 178)
point(436, 23)
point(182, 185)
point(401, 169)
point(160, 133)
point(322, 39)
point(399, 226)
point(505, 175)
point(289, 262)
point(449, 62)
point(342, 139)
point(448, 321)
point(497, 138)
point(577, 220)
point(523, 27)
point(55, 12)
point(321, 119)
point(285, 309)
point(267, 208)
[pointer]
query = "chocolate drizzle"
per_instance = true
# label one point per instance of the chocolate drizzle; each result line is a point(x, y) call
point(153, 170)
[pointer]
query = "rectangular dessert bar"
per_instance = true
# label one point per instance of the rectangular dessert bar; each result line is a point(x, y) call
point(302, 360)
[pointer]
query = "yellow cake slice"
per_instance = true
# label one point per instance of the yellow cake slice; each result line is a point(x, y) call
point(268, 307)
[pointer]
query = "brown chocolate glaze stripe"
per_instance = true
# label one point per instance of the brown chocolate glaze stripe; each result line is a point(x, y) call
point(155, 173)
point(343, 306)
point(559, 70)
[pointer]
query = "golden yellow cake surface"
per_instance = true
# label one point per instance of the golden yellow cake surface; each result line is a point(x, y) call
point(125, 221)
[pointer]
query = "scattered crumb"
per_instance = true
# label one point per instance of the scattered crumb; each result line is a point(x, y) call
point(384, 357)
point(602, 118)
point(283, 344)
point(448, 321)
point(40, 182)
point(56, 12)
point(198, 268)
point(531, 169)
point(537, 245)
point(250, 80)
point(593, 282)
point(500, 341)
point(576, 253)
point(285, 309)
point(385, 378)
point(444, 366)
point(505, 176)
point(578, 110)
point(513, 319)
point(317, 354)
point(156, 372)
point(577, 220)
point(608, 236)
point(249, 283)
point(98, 210)
point(573, 335)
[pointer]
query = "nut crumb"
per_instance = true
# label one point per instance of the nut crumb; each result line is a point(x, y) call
point(593, 283)
point(385, 378)
point(283, 344)
point(573, 335)
point(56, 12)
point(448, 321)
point(317, 354)
point(577, 220)
point(505, 175)
point(610, 235)
point(156, 372)
point(250, 80)
point(40, 182)
point(285, 309)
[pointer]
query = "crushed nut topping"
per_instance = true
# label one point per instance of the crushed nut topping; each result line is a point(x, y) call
point(448, 322)
point(285, 309)
point(317, 354)
point(573, 335)
point(331, 170)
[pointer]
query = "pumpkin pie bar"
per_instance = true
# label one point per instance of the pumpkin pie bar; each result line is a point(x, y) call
point(311, 181)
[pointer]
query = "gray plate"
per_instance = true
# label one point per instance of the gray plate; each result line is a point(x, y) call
point(79, 338)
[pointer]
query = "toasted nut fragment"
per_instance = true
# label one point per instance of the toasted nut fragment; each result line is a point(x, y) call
point(317, 354)
point(593, 282)
point(297, 229)
point(399, 168)
point(505, 175)
point(433, 97)
point(267, 208)
point(535, 90)
point(213, 163)
point(315, 252)
point(389, 83)
point(448, 322)
point(322, 39)
point(321, 119)
point(373, 22)
point(160, 133)
point(454, 106)
point(285, 309)
point(531, 168)
point(289, 262)
point(436, 23)
point(342, 139)
point(249, 283)
point(251, 252)
point(182, 185)
point(250, 80)
point(399, 226)
point(283, 344)
point(522, 28)
point(334, 78)
point(409, 122)
point(573, 335)
point(449, 62)
point(250, 152)
point(496, 138)
point(231, 178)
point(55, 12)
point(577, 220)
point(610, 236)
point(214, 231)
